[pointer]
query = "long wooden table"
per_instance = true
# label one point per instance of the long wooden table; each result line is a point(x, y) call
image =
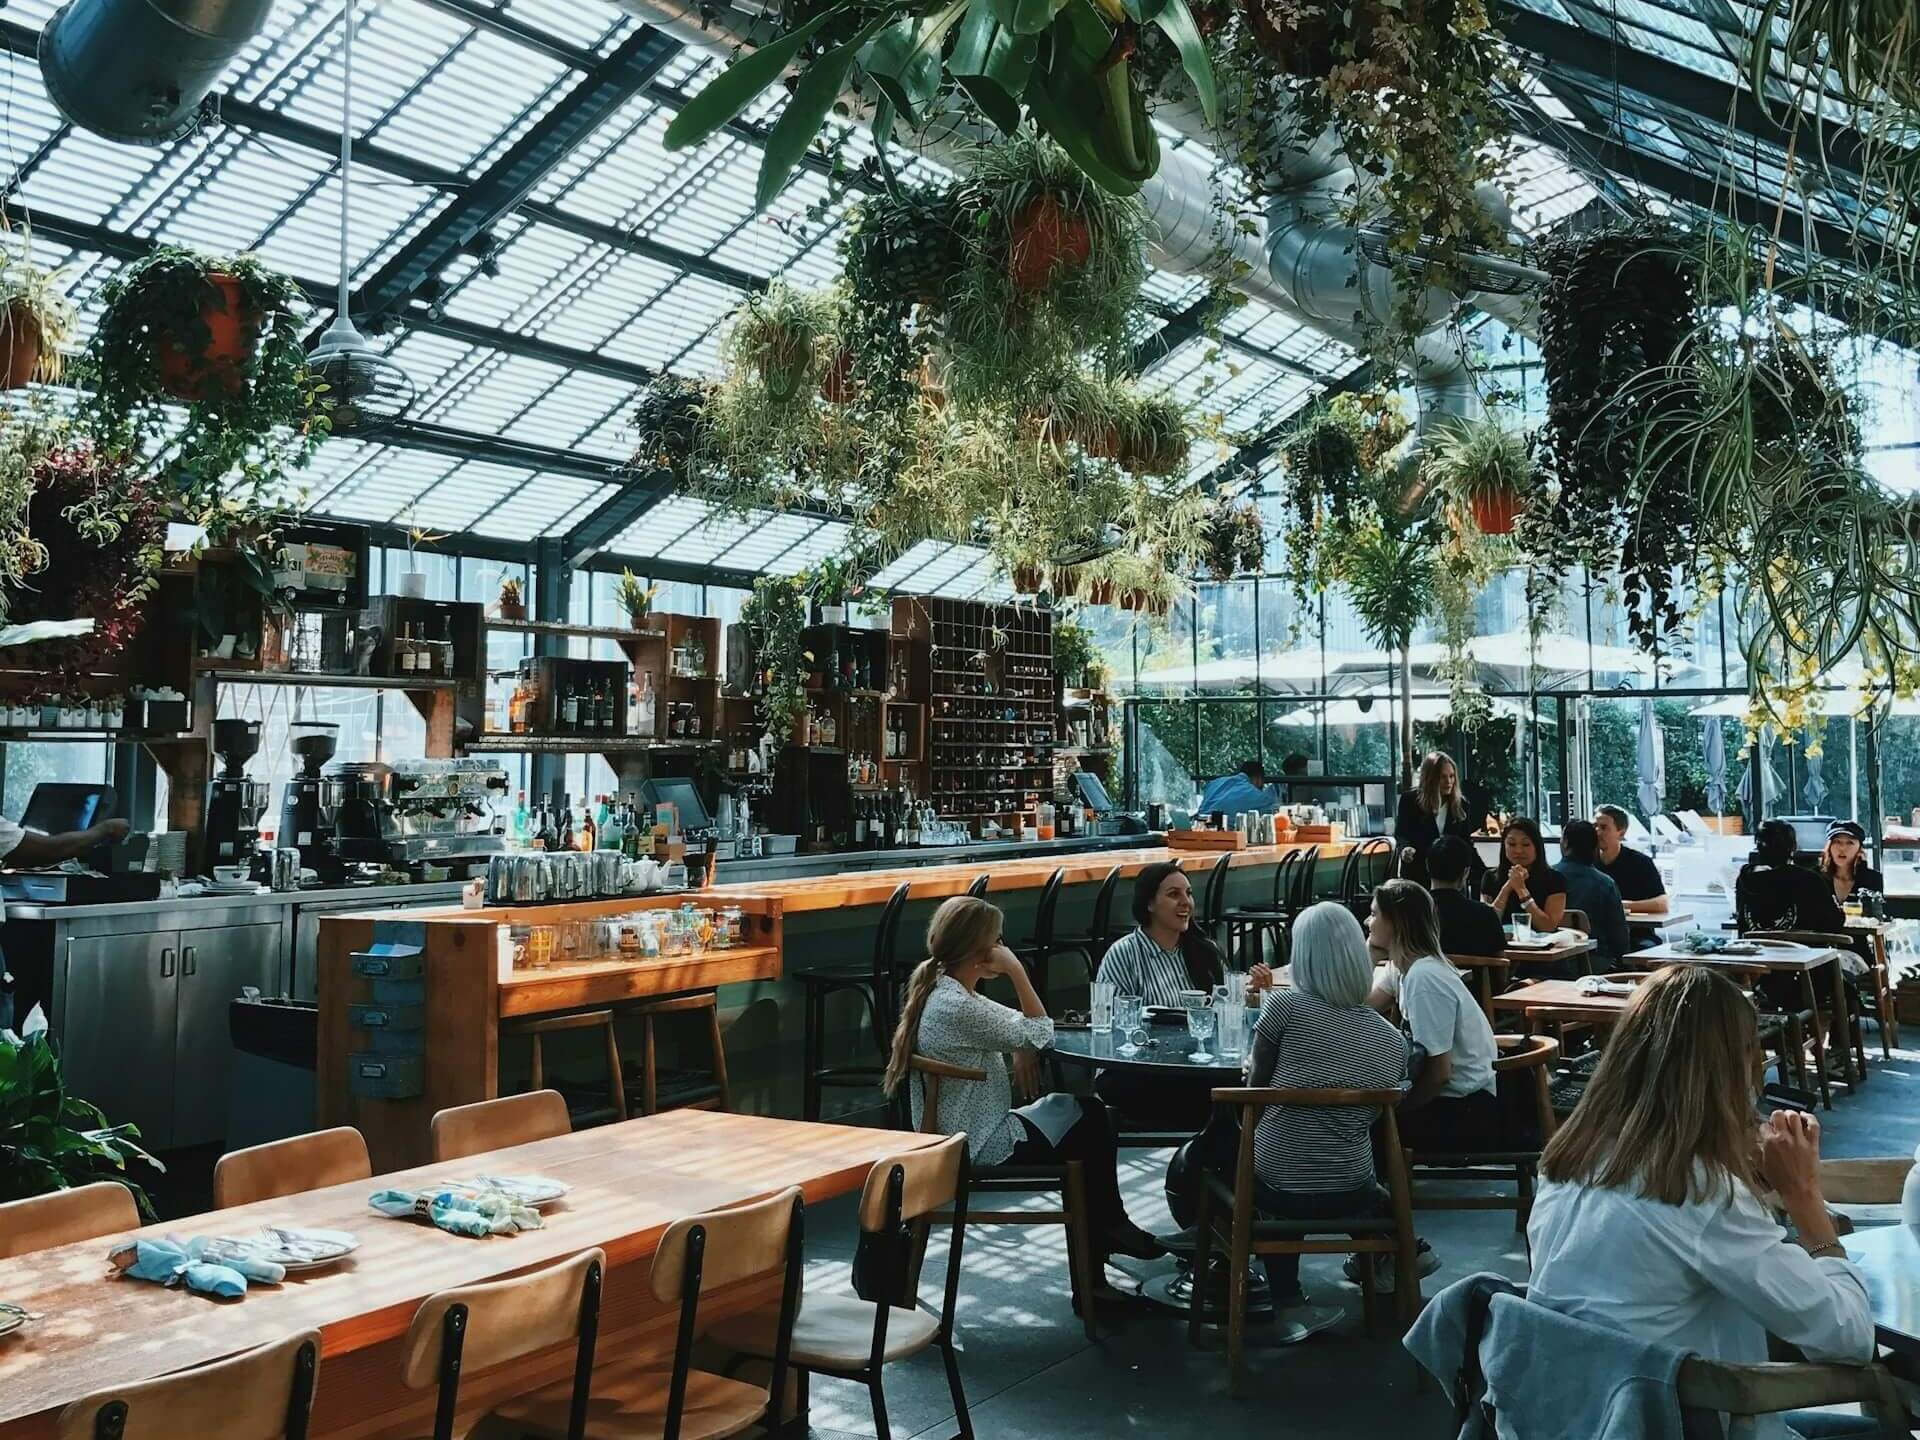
point(629, 1182)
point(1560, 1000)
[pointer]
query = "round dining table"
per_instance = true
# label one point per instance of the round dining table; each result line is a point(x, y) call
point(1168, 1052)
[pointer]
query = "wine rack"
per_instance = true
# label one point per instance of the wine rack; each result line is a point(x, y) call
point(991, 712)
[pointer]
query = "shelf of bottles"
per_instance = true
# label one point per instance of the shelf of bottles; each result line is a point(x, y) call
point(990, 713)
point(610, 822)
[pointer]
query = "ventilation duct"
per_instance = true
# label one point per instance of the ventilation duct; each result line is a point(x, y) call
point(136, 70)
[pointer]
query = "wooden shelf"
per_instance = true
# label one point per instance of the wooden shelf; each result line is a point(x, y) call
point(57, 734)
point(556, 630)
point(1077, 751)
point(576, 745)
point(328, 682)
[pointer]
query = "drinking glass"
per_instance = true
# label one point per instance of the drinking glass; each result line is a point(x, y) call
point(539, 947)
point(1102, 1017)
point(1200, 1021)
point(1233, 1027)
point(1129, 1021)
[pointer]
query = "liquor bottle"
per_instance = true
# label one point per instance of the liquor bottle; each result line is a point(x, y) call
point(520, 819)
point(600, 811)
point(446, 648)
point(630, 834)
point(613, 835)
point(605, 708)
point(544, 836)
point(403, 651)
point(860, 823)
point(586, 835)
point(564, 839)
point(647, 708)
point(569, 711)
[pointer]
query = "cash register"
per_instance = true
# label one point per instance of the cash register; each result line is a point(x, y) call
point(1107, 820)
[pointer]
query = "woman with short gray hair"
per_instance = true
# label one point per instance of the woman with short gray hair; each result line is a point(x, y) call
point(1313, 1162)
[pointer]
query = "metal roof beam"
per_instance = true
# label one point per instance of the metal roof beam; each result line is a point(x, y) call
point(499, 450)
point(615, 515)
point(1178, 329)
point(505, 185)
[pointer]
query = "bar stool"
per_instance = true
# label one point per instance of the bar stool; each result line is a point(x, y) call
point(1292, 892)
point(1098, 935)
point(64, 1217)
point(878, 987)
point(290, 1167)
point(978, 889)
point(1369, 864)
point(582, 1110)
point(260, 1394)
point(463, 1130)
point(683, 1089)
point(1040, 947)
point(1211, 912)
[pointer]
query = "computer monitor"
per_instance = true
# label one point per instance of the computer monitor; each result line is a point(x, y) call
point(1093, 792)
point(680, 793)
point(1809, 832)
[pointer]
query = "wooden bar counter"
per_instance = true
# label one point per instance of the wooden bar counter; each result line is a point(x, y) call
point(411, 1001)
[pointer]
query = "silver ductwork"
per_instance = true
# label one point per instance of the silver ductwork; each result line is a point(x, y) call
point(1305, 261)
point(136, 71)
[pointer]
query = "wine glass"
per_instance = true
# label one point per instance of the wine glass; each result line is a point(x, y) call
point(1129, 1020)
point(1200, 1020)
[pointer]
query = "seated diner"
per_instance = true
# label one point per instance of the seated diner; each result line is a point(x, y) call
point(1632, 871)
point(1591, 891)
point(1530, 889)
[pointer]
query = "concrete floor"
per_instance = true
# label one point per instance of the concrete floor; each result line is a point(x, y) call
point(1030, 1370)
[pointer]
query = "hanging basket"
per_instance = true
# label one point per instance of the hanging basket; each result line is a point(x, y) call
point(1046, 238)
point(219, 366)
point(836, 386)
point(1028, 580)
point(1496, 514)
point(20, 345)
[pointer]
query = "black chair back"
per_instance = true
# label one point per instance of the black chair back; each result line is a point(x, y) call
point(1286, 880)
point(978, 889)
point(1303, 879)
point(1101, 931)
point(886, 954)
point(1214, 901)
point(1043, 911)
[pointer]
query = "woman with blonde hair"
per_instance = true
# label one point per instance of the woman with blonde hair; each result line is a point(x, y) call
point(1435, 806)
point(945, 1018)
point(1649, 1218)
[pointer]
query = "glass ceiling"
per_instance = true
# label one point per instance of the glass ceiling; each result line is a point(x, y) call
point(624, 259)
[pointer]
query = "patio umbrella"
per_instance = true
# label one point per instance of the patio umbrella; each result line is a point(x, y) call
point(1650, 762)
point(1714, 751)
point(1815, 789)
point(1761, 753)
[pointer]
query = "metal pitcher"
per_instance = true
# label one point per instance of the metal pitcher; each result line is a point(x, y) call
point(500, 879)
point(608, 870)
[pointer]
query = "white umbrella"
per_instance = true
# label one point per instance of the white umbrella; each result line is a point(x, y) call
point(1651, 762)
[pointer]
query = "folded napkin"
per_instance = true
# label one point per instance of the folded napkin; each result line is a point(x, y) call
point(206, 1267)
point(459, 1212)
point(1598, 985)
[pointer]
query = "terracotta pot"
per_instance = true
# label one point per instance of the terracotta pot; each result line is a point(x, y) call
point(1103, 442)
point(233, 326)
point(513, 610)
point(1046, 238)
point(1100, 592)
point(19, 345)
point(836, 386)
point(1495, 514)
point(1028, 580)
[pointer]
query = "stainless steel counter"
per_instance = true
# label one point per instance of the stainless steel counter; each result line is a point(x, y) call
point(369, 896)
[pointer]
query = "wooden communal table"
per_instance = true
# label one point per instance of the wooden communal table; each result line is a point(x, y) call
point(1559, 1000)
point(440, 1040)
point(936, 882)
point(1656, 920)
point(1562, 945)
point(630, 1182)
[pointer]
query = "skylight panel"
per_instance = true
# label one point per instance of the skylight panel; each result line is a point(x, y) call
point(455, 114)
point(589, 24)
point(567, 415)
point(681, 320)
point(463, 495)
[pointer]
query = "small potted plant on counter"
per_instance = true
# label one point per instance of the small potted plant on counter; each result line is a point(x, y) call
point(512, 604)
point(636, 599)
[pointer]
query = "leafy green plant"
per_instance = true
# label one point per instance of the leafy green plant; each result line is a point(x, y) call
point(776, 617)
point(1074, 653)
point(34, 311)
point(1485, 466)
point(786, 338)
point(904, 246)
point(221, 334)
point(27, 436)
point(52, 1140)
point(633, 597)
point(1062, 65)
point(1871, 47)
point(671, 430)
point(1236, 539)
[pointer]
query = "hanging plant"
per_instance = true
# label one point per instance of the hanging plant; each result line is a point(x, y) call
point(1074, 653)
point(775, 614)
point(671, 431)
point(1236, 540)
point(904, 247)
point(1485, 466)
point(35, 320)
point(1062, 65)
point(221, 335)
point(1337, 473)
point(1870, 48)
point(27, 436)
point(1054, 271)
point(784, 337)
point(1159, 440)
point(102, 527)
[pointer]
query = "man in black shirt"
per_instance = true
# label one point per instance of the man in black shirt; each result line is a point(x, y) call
point(1632, 871)
point(1467, 926)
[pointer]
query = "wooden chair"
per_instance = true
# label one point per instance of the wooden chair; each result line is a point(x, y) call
point(1864, 1182)
point(1248, 1234)
point(853, 1339)
point(1095, 940)
point(290, 1167)
point(1292, 880)
point(687, 1089)
point(1039, 948)
point(260, 1394)
point(631, 1401)
point(1526, 1104)
point(464, 1130)
point(480, 1326)
point(64, 1217)
point(1489, 976)
point(1739, 1391)
point(1069, 1179)
point(583, 1112)
point(877, 988)
point(1840, 1000)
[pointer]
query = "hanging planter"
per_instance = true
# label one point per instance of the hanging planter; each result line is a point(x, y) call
point(1485, 466)
point(209, 357)
point(1045, 239)
point(19, 345)
point(837, 386)
point(1496, 514)
point(35, 321)
point(785, 337)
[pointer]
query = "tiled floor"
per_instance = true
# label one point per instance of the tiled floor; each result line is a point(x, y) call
point(1029, 1369)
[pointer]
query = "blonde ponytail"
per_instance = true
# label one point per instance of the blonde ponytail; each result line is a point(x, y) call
point(961, 928)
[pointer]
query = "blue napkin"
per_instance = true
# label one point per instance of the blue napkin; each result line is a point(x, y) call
point(172, 1261)
point(485, 1212)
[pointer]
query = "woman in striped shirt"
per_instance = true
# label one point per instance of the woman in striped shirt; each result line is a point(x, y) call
point(1312, 1163)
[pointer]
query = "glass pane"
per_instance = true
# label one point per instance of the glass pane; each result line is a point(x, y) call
point(29, 765)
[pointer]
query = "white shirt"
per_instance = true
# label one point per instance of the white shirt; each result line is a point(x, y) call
point(963, 1028)
point(1441, 1016)
point(1712, 1277)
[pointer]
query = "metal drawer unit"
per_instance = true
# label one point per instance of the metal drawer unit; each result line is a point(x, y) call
point(390, 1016)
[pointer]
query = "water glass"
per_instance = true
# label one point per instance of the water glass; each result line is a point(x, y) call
point(1129, 1020)
point(1232, 1020)
point(1200, 1020)
point(1102, 1017)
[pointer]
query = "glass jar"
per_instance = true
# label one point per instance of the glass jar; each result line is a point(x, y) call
point(732, 927)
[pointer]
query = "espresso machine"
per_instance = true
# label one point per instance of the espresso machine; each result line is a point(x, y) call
point(422, 815)
point(234, 803)
point(310, 801)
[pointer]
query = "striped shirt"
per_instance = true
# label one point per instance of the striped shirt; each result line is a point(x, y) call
point(1307, 1043)
point(962, 1028)
point(1135, 965)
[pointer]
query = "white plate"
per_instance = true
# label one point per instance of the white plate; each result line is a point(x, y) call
point(534, 1191)
point(12, 1317)
point(298, 1250)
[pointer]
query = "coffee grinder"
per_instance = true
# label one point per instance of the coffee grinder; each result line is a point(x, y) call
point(234, 803)
point(310, 801)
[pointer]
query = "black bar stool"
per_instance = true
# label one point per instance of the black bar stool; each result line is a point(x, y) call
point(1041, 946)
point(978, 889)
point(878, 989)
point(1212, 909)
point(1098, 935)
point(1292, 891)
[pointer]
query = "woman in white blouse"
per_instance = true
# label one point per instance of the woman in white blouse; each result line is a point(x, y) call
point(1648, 1218)
point(946, 1018)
